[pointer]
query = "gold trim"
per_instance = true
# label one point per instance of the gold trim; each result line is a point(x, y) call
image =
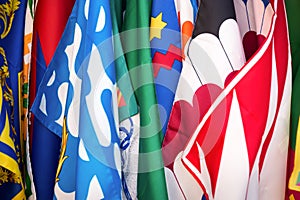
point(296, 171)
point(62, 156)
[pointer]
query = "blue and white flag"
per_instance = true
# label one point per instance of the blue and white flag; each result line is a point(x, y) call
point(80, 87)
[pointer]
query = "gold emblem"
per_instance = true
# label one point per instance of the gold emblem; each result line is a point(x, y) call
point(7, 14)
point(8, 176)
point(4, 73)
point(62, 156)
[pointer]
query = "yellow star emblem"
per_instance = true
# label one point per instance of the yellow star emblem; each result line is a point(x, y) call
point(157, 24)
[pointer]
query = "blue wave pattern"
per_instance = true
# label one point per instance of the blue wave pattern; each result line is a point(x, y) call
point(80, 85)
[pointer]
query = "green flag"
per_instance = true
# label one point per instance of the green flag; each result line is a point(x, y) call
point(135, 38)
point(293, 7)
point(128, 109)
point(293, 14)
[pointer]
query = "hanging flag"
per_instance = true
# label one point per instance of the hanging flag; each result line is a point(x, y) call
point(256, 21)
point(49, 23)
point(11, 184)
point(185, 10)
point(171, 26)
point(214, 52)
point(293, 189)
point(128, 110)
point(11, 140)
point(28, 183)
point(77, 100)
point(165, 44)
point(244, 130)
point(151, 178)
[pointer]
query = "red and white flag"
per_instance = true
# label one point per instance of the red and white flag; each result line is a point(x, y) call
point(234, 129)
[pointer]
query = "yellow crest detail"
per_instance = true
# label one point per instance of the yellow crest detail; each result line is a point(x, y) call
point(294, 182)
point(62, 156)
point(7, 14)
point(8, 176)
point(4, 73)
point(4, 175)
